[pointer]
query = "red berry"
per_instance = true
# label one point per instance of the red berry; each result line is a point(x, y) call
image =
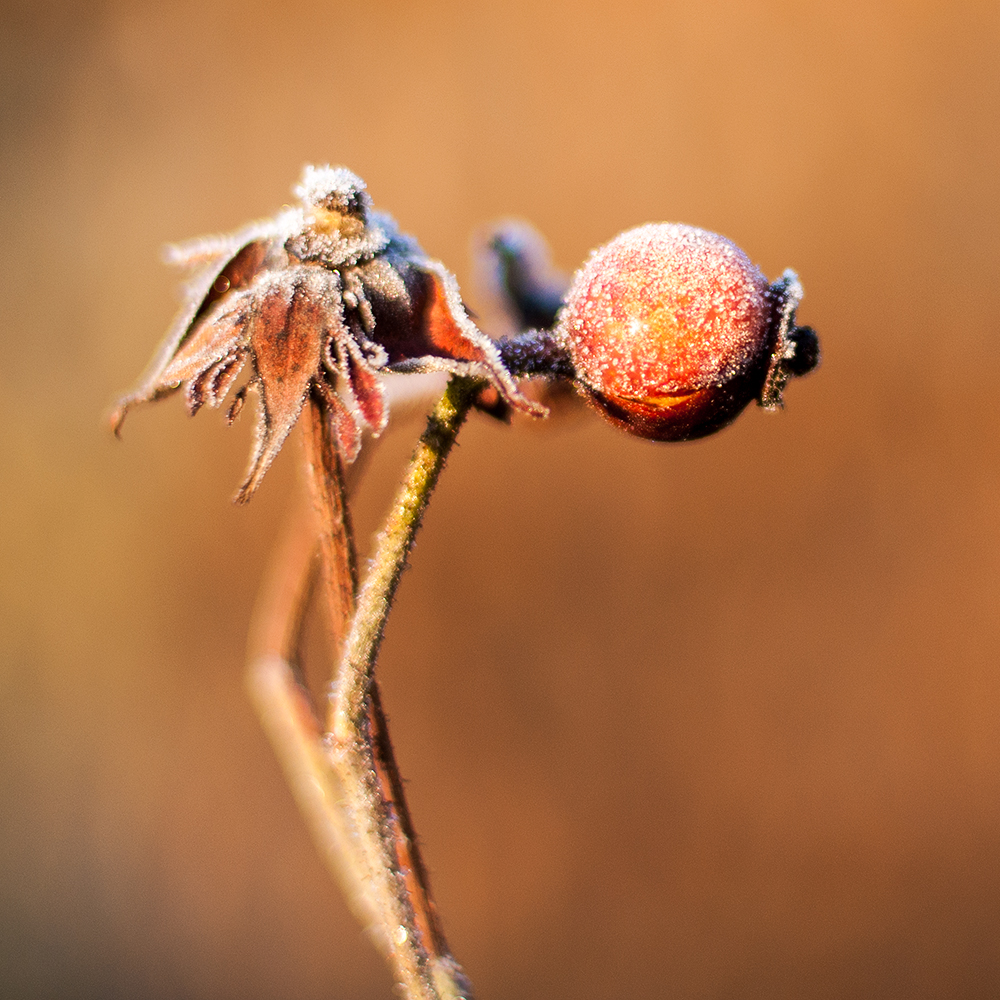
point(670, 331)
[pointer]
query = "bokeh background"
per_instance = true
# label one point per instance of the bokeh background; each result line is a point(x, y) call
point(707, 720)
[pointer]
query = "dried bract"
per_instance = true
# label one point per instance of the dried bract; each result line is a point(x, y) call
point(320, 299)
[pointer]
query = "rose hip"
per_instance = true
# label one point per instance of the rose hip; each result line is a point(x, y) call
point(672, 331)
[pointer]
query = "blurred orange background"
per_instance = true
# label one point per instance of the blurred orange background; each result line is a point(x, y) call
point(707, 720)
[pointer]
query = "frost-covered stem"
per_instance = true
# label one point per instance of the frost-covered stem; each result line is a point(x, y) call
point(358, 740)
point(393, 547)
point(351, 796)
point(535, 352)
point(373, 799)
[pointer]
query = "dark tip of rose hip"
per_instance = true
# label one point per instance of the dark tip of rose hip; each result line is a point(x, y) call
point(805, 355)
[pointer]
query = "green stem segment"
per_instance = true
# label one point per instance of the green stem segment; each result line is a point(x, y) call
point(357, 740)
point(394, 543)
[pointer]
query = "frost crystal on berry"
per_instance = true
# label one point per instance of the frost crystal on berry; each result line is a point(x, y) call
point(672, 331)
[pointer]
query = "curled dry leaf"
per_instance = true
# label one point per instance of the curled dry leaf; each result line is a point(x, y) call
point(318, 300)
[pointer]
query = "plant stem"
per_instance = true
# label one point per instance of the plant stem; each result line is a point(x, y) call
point(289, 717)
point(535, 352)
point(347, 784)
point(336, 537)
point(358, 743)
point(275, 681)
point(393, 547)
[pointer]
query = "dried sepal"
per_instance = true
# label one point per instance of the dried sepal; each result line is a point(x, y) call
point(285, 336)
point(796, 348)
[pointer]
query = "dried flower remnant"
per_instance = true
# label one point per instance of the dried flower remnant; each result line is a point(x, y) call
point(672, 331)
point(318, 300)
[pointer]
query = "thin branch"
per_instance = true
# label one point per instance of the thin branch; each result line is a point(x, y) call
point(393, 547)
point(295, 734)
point(358, 739)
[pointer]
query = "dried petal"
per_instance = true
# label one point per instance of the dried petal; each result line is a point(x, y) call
point(210, 284)
point(220, 377)
point(212, 339)
point(285, 340)
point(349, 356)
point(366, 389)
point(421, 322)
point(345, 426)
